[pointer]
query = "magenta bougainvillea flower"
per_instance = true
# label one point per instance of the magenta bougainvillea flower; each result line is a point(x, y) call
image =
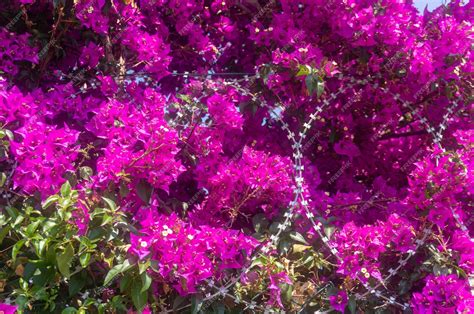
point(186, 255)
point(44, 155)
point(272, 151)
point(443, 294)
point(7, 308)
point(339, 301)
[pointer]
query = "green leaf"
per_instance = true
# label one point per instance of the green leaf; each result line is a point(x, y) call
point(86, 172)
point(116, 270)
point(139, 297)
point(303, 70)
point(142, 267)
point(96, 233)
point(84, 259)
point(352, 305)
point(66, 190)
point(110, 203)
point(88, 302)
point(298, 248)
point(69, 310)
point(76, 283)
point(128, 227)
point(97, 212)
point(10, 135)
point(298, 237)
point(101, 308)
point(125, 282)
point(260, 223)
point(329, 231)
point(46, 275)
point(309, 81)
point(17, 247)
point(51, 254)
point(257, 262)
point(196, 304)
point(3, 232)
point(49, 225)
point(185, 98)
point(284, 246)
point(146, 281)
point(50, 200)
point(279, 265)
point(119, 304)
point(85, 243)
point(144, 191)
point(19, 219)
point(286, 292)
point(29, 271)
point(40, 246)
point(3, 178)
point(65, 203)
point(307, 259)
point(314, 84)
point(319, 88)
point(32, 227)
point(64, 260)
point(462, 274)
point(12, 212)
point(106, 219)
point(21, 301)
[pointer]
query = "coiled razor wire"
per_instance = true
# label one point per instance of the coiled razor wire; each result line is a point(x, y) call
point(317, 226)
point(437, 137)
point(289, 214)
point(298, 199)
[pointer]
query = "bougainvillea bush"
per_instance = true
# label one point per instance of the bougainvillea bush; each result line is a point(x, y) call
point(162, 156)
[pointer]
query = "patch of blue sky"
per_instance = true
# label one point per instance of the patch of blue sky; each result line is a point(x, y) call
point(432, 4)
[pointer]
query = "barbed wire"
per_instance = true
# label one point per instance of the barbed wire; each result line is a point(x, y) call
point(277, 113)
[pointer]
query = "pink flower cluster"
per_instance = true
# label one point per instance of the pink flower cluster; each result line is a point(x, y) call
point(444, 293)
point(140, 144)
point(44, 154)
point(187, 255)
point(362, 247)
point(193, 116)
